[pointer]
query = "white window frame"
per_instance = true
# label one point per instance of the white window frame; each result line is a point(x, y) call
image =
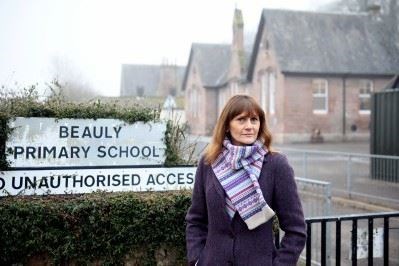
point(234, 88)
point(194, 101)
point(320, 84)
point(196, 105)
point(245, 90)
point(190, 100)
point(272, 93)
point(222, 99)
point(263, 92)
point(365, 84)
point(268, 92)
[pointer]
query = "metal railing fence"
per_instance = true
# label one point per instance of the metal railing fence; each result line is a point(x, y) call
point(347, 244)
point(315, 197)
point(372, 178)
point(346, 240)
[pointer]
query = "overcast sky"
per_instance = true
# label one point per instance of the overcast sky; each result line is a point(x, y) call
point(95, 37)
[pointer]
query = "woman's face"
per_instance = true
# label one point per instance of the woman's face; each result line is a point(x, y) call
point(244, 129)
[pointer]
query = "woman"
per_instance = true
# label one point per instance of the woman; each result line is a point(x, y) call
point(239, 186)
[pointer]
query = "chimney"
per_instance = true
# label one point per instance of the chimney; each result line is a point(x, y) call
point(238, 38)
point(238, 30)
point(394, 20)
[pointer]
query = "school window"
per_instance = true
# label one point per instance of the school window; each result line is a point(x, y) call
point(222, 99)
point(194, 102)
point(320, 96)
point(245, 90)
point(365, 90)
point(234, 88)
point(263, 92)
point(268, 92)
point(191, 100)
point(272, 93)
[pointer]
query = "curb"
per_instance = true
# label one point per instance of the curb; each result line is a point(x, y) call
point(361, 205)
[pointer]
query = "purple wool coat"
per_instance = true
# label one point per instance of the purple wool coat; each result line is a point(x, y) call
point(214, 239)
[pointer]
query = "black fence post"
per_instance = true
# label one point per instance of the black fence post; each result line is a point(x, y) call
point(371, 247)
point(323, 242)
point(386, 241)
point(309, 244)
point(338, 243)
point(354, 242)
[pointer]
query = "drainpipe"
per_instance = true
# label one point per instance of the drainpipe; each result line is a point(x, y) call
point(344, 107)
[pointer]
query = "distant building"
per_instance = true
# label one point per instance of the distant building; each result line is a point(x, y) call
point(151, 80)
point(312, 73)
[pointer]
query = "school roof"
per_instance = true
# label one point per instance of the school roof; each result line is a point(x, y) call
point(328, 43)
point(213, 61)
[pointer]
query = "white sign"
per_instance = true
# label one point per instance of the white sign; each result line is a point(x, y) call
point(49, 142)
point(363, 243)
point(70, 181)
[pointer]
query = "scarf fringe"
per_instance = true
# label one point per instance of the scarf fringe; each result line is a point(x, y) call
point(260, 218)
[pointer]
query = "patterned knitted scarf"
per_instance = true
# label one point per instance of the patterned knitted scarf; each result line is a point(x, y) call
point(238, 168)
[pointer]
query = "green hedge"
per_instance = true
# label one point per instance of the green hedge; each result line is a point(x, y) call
point(93, 227)
point(105, 228)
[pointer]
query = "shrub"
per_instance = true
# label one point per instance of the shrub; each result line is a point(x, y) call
point(100, 226)
point(106, 228)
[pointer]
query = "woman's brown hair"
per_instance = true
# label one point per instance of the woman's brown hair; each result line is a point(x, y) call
point(236, 105)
